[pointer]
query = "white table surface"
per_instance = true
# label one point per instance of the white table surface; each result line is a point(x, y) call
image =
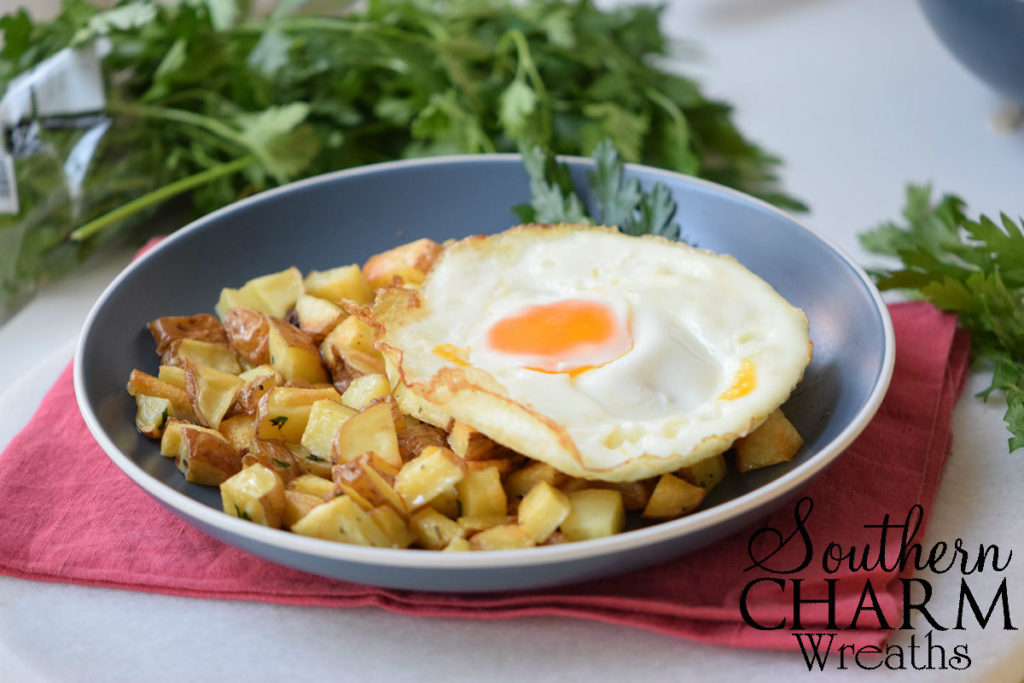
point(858, 97)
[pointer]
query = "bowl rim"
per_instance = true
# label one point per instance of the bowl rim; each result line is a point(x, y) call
point(414, 559)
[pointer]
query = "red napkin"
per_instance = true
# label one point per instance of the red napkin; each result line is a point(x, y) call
point(68, 514)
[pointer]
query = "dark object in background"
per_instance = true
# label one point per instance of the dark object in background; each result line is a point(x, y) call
point(986, 36)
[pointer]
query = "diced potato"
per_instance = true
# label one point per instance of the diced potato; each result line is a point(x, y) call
point(775, 441)
point(297, 505)
point(248, 334)
point(393, 526)
point(283, 413)
point(481, 493)
point(351, 344)
point(470, 444)
point(310, 463)
point(576, 484)
point(205, 456)
point(261, 371)
point(217, 356)
point(341, 519)
point(323, 489)
point(447, 502)
point(324, 521)
point(355, 495)
point(369, 478)
point(172, 374)
point(317, 316)
point(258, 383)
point(364, 389)
point(413, 439)
point(635, 494)
point(340, 374)
point(171, 328)
point(142, 383)
point(543, 510)
point(359, 526)
point(274, 294)
point(556, 538)
point(673, 497)
point(210, 393)
point(471, 525)
point(231, 299)
point(595, 513)
point(521, 481)
point(707, 473)
point(325, 419)
point(239, 430)
point(503, 465)
point(373, 430)
point(396, 413)
point(428, 475)
point(410, 262)
point(170, 441)
point(336, 284)
point(151, 414)
point(504, 537)
point(273, 455)
point(414, 405)
point(255, 494)
point(433, 530)
point(293, 354)
point(457, 544)
point(354, 333)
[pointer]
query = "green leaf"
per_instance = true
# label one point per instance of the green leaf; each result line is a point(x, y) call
point(1014, 418)
point(558, 28)
point(242, 514)
point(17, 32)
point(518, 102)
point(270, 55)
point(125, 17)
point(972, 267)
point(277, 139)
point(616, 201)
point(626, 129)
point(222, 13)
point(654, 214)
point(551, 200)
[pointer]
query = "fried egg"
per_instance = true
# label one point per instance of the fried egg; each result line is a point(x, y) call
point(607, 356)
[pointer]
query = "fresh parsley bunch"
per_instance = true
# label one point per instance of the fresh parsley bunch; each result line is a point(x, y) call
point(210, 103)
point(972, 267)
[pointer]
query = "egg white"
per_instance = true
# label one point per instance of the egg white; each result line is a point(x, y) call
point(695, 320)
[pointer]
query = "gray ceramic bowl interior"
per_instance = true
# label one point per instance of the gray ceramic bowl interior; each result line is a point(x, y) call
point(986, 36)
point(345, 217)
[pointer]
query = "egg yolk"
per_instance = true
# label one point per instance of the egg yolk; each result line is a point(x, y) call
point(555, 332)
point(743, 383)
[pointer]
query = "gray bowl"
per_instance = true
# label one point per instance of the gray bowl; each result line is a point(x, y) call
point(986, 36)
point(345, 217)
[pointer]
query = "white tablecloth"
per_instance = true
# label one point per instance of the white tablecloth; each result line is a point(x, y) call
point(858, 97)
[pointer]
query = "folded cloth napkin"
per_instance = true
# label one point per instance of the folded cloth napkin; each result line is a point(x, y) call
point(68, 514)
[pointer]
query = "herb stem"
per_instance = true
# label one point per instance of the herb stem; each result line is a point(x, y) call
point(530, 67)
point(178, 116)
point(159, 195)
point(338, 25)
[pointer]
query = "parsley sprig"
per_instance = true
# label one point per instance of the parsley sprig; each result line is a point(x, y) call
point(972, 267)
point(617, 202)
